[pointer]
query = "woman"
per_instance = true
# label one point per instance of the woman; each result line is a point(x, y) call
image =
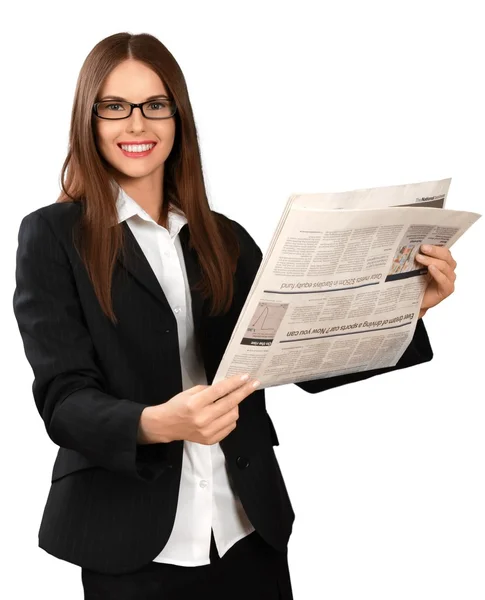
point(128, 289)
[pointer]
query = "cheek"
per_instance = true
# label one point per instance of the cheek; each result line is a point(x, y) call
point(166, 131)
point(106, 141)
point(166, 135)
point(105, 134)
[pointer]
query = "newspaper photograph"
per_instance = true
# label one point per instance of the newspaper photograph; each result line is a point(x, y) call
point(339, 290)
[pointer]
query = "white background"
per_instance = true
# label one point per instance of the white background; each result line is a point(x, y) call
point(386, 476)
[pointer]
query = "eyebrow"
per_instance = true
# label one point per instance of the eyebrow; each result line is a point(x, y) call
point(125, 100)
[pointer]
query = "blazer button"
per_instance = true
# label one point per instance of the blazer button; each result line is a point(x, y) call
point(242, 462)
point(167, 330)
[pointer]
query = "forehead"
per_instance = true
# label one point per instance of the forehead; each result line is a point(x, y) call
point(134, 81)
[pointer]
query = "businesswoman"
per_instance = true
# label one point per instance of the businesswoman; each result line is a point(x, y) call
point(127, 290)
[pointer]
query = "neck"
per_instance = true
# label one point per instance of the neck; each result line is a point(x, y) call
point(145, 191)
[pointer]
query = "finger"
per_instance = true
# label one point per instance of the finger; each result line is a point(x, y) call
point(220, 389)
point(221, 423)
point(220, 435)
point(442, 265)
point(196, 389)
point(445, 285)
point(229, 402)
point(440, 252)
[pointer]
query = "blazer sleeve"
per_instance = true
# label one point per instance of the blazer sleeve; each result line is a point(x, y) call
point(68, 386)
point(419, 350)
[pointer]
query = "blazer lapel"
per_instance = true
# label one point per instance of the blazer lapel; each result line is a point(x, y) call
point(194, 273)
point(135, 261)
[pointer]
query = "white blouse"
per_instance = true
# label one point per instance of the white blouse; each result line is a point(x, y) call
point(206, 498)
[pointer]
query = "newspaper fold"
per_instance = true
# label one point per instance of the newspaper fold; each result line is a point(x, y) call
point(338, 290)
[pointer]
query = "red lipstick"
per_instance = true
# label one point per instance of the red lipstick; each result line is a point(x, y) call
point(136, 154)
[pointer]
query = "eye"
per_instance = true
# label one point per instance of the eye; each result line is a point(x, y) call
point(108, 106)
point(160, 104)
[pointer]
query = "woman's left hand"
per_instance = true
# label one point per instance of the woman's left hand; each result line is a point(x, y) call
point(441, 268)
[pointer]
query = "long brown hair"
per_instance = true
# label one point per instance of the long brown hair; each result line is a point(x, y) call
point(89, 181)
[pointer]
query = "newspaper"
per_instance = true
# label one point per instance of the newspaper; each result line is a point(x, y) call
point(338, 290)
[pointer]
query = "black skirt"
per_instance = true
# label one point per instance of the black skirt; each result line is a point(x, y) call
point(251, 569)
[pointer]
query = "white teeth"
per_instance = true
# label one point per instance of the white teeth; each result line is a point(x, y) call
point(137, 148)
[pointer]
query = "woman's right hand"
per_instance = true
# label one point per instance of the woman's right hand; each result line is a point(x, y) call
point(194, 414)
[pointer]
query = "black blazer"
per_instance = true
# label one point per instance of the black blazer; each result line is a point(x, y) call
point(112, 502)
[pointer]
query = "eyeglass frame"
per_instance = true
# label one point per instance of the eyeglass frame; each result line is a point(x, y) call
point(132, 107)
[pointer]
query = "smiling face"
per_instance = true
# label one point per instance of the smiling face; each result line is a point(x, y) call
point(135, 82)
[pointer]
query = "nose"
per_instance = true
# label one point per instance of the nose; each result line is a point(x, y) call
point(136, 120)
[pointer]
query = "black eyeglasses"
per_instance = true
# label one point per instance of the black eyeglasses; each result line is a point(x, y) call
point(152, 109)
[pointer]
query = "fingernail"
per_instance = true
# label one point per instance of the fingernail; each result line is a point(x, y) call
point(426, 248)
point(245, 376)
point(255, 383)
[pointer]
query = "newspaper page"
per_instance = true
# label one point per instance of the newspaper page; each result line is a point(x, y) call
point(339, 291)
point(429, 193)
